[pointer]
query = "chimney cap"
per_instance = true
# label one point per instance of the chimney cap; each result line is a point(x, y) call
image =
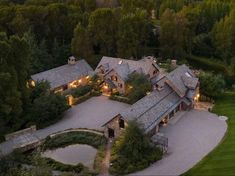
point(71, 60)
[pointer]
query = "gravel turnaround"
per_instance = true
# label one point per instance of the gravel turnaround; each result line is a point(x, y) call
point(190, 139)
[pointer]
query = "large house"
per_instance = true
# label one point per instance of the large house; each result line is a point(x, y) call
point(177, 91)
point(71, 75)
point(115, 71)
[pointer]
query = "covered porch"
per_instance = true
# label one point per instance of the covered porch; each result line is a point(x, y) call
point(108, 87)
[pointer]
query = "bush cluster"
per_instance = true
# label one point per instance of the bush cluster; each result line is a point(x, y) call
point(133, 151)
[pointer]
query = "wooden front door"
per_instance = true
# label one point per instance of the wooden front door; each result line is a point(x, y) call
point(111, 133)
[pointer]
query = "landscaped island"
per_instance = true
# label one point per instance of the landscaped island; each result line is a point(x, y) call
point(90, 145)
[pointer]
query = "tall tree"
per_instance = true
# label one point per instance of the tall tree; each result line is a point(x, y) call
point(223, 36)
point(132, 34)
point(102, 28)
point(81, 44)
point(173, 35)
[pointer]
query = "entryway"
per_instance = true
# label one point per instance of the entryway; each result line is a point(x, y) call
point(111, 133)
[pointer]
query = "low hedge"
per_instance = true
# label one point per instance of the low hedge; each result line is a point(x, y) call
point(120, 99)
point(74, 137)
point(86, 97)
point(79, 168)
point(80, 91)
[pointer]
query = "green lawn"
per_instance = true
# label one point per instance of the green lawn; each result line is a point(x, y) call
point(221, 161)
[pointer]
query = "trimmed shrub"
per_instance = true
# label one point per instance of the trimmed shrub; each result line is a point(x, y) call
point(74, 137)
point(120, 99)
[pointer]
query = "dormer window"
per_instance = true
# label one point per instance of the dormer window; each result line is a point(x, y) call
point(188, 75)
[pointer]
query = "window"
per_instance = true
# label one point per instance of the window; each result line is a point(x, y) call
point(154, 72)
point(188, 74)
point(121, 123)
point(111, 133)
point(114, 78)
point(119, 85)
point(120, 62)
point(101, 71)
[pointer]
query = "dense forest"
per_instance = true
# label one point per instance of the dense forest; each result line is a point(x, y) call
point(36, 35)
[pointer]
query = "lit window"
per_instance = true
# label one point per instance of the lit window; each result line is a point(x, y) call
point(120, 62)
point(114, 78)
point(33, 83)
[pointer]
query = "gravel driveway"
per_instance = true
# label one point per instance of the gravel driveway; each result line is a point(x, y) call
point(190, 139)
point(92, 114)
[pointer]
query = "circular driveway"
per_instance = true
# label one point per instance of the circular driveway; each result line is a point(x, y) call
point(91, 114)
point(190, 139)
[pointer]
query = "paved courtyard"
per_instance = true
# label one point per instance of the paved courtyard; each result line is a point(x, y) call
point(91, 114)
point(190, 139)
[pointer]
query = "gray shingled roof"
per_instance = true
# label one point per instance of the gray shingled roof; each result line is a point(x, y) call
point(181, 79)
point(64, 74)
point(125, 66)
point(152, 108)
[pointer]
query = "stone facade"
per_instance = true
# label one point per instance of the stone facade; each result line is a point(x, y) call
point(115, 71)
point(114, 124)
point(117, 80)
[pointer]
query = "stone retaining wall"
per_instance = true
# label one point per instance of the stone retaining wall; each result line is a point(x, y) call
point(20, 132)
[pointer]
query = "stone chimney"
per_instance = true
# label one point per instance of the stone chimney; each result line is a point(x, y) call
point(71, 60)
point(173, 63)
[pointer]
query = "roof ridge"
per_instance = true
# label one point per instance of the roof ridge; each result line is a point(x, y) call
point(154, 104)
point(164, 113)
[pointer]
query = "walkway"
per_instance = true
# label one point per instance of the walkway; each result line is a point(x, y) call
point(190, 139)
point(106, 161)
point(91, 114)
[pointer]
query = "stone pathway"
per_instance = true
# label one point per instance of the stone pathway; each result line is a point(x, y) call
point(106, 161)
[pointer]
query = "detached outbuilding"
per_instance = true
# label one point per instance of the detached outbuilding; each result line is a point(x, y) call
point(71, 75)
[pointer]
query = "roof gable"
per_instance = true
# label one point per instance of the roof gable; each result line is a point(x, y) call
point(124, 66)
point(181, 79)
